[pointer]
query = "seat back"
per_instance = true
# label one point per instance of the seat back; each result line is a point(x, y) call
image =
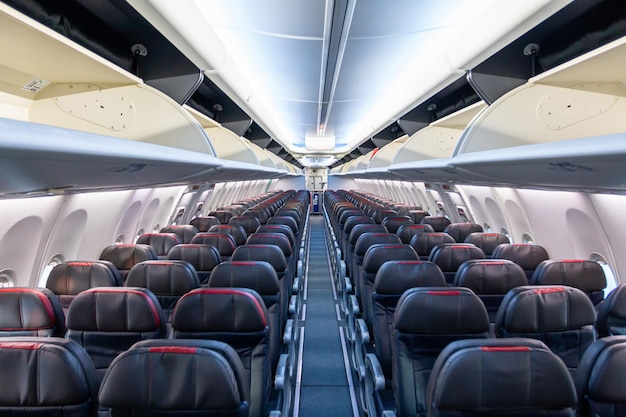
point(528, 256)
point(224, 243)
point(488, 242)
point(108, 320)
point(286, 220)
point(426, 321)
point(460, 231)
point(393, 223)
point(507, 377)
point(184, 232)
point(167, 280)
point(450, 256)
point(204, 223)
point(70, 278)
point(123, 257)
point(30, 312)
point(424, 243)
point(202, 257)
point(611, 320)
point(585, 275)
point(599, 378)
point(392, 280)
point(222, 215)
point(406, 231)
point(561, 317)
point(238, 317)
point(380, 215)
point(438, 223)
point(188, 363)
point(46, 376)
point(160, 242)
point(490, 280)
point(248, 223)
point(236, 231)
point(278, 228)
point(417, 215)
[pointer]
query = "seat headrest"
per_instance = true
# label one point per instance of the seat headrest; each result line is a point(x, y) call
point(161, 242)
point(220, 310)
point(528, 256)
point(395, 222)
point(45, 372)
point(202, 257)
point(116, 309)
point(256, 275)
point(204, 223)
point(395, 277)
point(237, 232)
point(450, 256)
point(490, 276)
point(269, 253)
point(490, 375)
point(377, 254)
point(544, 308)
point(164, 277)
point(34, 311)
point(360, 229)
point(368, 239)
point(248, 223)
point(277, 239)
point(423, 243)
point(612, 313)
point(224, 242)
point(125, 256)
point(436, 310)
point(222, 215)
point(585, 275)
point(346, 214)
point(124, 387)
point(460, 231)
point(488, 242)
point(601, 372)
point(185, 232)
point(70, 278)
point(439, 223)
point(279, 229)
point(286, 220)
point(352, 221)
point(407, 231)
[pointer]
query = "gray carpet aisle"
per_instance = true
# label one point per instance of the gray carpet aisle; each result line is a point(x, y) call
point(324, 387)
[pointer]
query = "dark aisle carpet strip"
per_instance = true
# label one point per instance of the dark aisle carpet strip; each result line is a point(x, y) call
point(324, 389)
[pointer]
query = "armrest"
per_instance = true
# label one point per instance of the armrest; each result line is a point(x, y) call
point(348, 285)
point(375, 371)
point(281, 372)
point(300, 268)
point(293, 301)
point(363, 335)
point(354, 305)
point(295, 288)
point(288, 334)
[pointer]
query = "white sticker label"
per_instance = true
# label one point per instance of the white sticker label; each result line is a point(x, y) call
point(35, 85)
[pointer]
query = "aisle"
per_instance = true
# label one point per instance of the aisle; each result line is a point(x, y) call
point(324, 388)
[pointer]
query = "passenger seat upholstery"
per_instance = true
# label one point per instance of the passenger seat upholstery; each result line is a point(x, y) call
point(125, 256)
point(204, 223)
point(528, 256)
point(160, 242)
point(30, 312)
point(508, 377)
point(585, 275)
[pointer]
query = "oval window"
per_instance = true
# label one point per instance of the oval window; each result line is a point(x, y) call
point(54, 261)
point(7, 278)
point(528, 239)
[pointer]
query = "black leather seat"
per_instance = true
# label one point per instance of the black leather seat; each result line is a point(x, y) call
point(187, 378)
point(276, 239)
point(108, 320)
point(507, 377)
point(438, 223)
point(204, 223)
point(417, 215)
point(611, 320)
point(393, 223)
point(407, 231)
point(450, 256)
point(355, 233)
point(222, 215)
point(125, 256)
point(490, 280)
point(46, 377)
point(224, 243)
point(160, 242)
point(248, 223)
point(30, 312)
point(599, 381)
point(185, 232)
point(70, 278)
point(238, 317)
point(278, 228)
point(585, 275)
point(562, 317)
point(237, 232)
point(204, 258)
point(488, 242)
point(424, 243)
point(460, 231)
point(426, 321)
point(361, 246)
point(528, 256)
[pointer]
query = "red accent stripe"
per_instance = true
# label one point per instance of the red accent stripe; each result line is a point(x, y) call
point(44, 300)
point(409, 262)
point(505, 349)
point(173, 349)
point(548, 290)
point(244, 263)
point(573, 261)
point(491, 234)
point(80, 263)
point(230, 291)
point(21, 345)
point(454, 293)
point(492, 263)
point(161, 263)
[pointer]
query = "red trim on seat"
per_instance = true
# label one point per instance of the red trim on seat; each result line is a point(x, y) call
point(173, 349)
point(410, 262)
point(244, 263)
point(454, 293)
point(79, 263)
point(44, 300)
point(505, 348)
point(573, 261)
point(21, 345)
point(548, 290)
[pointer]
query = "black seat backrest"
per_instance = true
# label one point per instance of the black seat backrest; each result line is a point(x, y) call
point(127, 255)
point(185, 232)
point(611, 320)
point(237, 232)
point(160, 242)
point(585, 275)
point(204, 223)
point(238, 317)
point(417, 215)
point(600, 378)
point(286, 220)
point(438, 223)
point(407, 231)
point(424, 243)
point(460, 231)
point(426, 321)
point(528, 256)
point(490, 279)
point(30, 312)
point(277, 239)
point(280, 229)
point(202, 257)
point(125, 392)
point(70, 278)
point(488, 242)
point(224, 243)
point(108, 320)
point(507, 377)
point(222, 215)
point(450, 256)
point(46, 377)
point(380, 215)
point(262, 214)
point(393, 223)
point(562, 317)
point(248, 223)
point(392, 280)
